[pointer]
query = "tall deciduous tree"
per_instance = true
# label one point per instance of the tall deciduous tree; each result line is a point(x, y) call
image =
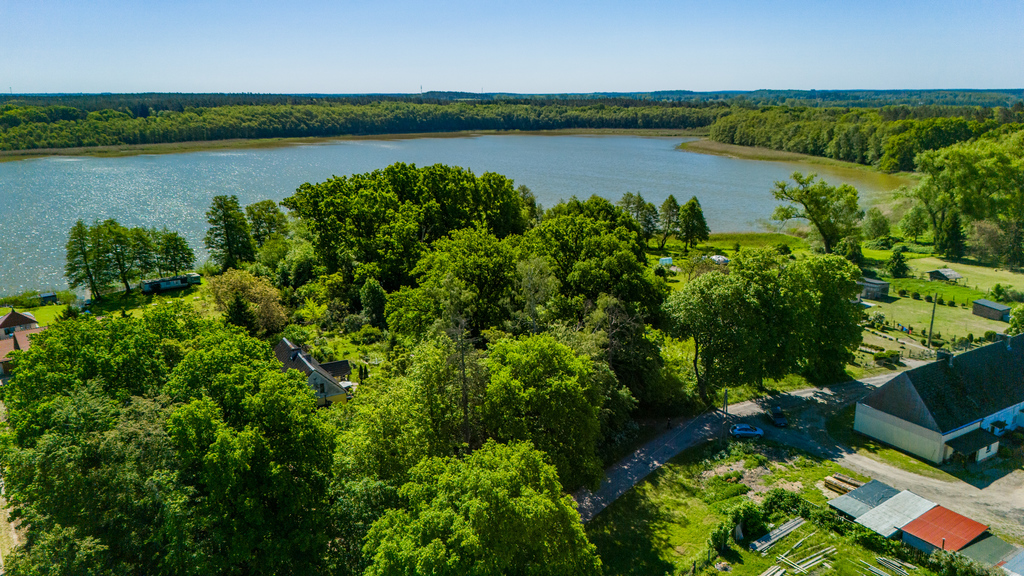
point(832, 210)
point(542, 392)
point(914, 222)
point(876, 224)
point(711, 309)
point(86, 264)
point(228, 239)
point(692, 224)
point(668, 220)
point(529, 527)
point(265, 220)
point(830, 322)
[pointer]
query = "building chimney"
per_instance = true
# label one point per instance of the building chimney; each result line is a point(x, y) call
point(943, 543)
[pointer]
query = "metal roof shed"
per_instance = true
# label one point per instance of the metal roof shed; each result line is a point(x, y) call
point(849, 507)
point(942, 528)
point(990, 550)
point(874, 493)
point(1015, 565)
point(895, 513)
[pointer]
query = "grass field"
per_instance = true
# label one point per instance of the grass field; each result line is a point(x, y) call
point(661, 526)
point(949, 321)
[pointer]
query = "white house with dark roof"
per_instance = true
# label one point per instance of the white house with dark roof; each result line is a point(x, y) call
point(328, 381)
point(959, 404)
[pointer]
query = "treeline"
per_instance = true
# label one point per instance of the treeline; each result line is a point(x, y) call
point(103, 254)
point(24, 128)
point(889, 138)
point(141, 104)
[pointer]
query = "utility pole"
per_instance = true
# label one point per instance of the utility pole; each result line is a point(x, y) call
point(725, 419)
point(931, 327)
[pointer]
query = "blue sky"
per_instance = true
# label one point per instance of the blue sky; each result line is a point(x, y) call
point(531, 46)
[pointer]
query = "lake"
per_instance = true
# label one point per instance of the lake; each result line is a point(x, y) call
point(40, 199)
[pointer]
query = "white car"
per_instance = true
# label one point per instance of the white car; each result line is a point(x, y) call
point(746, 431)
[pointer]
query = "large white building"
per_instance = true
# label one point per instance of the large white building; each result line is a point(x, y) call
point(958, 404)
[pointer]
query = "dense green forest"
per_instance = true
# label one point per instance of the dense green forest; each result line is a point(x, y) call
point(30, 127)
point(873, 127)
point(889, 138)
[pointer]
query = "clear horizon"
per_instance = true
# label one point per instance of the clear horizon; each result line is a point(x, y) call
point(530, 47)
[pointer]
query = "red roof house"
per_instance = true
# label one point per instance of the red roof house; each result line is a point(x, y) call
point(942, 528)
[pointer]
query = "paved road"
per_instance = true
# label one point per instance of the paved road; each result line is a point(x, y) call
point(629, 471)
point(997, 501)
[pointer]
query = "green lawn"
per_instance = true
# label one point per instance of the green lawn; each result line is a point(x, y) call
point(949, 321)
point(132, 304)
point(661, 525)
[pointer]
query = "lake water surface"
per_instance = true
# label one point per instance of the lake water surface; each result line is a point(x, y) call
point(40, 199)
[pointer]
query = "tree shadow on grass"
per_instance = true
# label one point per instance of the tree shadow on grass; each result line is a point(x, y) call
point(626, 538)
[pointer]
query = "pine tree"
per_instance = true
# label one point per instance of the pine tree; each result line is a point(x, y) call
point(241, 314)
point(952, 243)
point(668, 220)
point(228, 238)
point(694, 226)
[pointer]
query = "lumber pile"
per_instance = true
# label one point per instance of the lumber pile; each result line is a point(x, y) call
point(896, 566)
point(774, 571)
point(771, 538)
point(809, 561)
point(835, 484)
point(848, 480)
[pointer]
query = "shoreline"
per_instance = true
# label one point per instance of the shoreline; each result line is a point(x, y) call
point(118, 151)
point(713, 148)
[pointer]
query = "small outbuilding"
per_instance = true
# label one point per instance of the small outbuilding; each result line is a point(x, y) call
point(48, 298)
point(991, 310)
point(990, 549)
point(889, 517)
point(873, 288)
point(944, 275)
point(856, 503)
point(719, 259)
point(941, 528)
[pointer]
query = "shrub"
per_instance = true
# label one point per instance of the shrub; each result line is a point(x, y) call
point(928, 298)
point(1004, 452)
point(367, 335)
point(887, 357)
point(940, 301)
point(952, 303)
point(902, 292)
point(915, 295)
point(719, 537)
point(990, 335)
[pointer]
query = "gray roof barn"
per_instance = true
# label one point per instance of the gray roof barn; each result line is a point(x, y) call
point(946, 395)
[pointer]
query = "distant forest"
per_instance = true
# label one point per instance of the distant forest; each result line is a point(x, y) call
point(882, 128)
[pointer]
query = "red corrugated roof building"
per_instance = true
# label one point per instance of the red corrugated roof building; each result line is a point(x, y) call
point(942, 528)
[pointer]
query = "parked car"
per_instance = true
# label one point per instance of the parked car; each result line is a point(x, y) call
point(779, 417)
point(746, 431)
